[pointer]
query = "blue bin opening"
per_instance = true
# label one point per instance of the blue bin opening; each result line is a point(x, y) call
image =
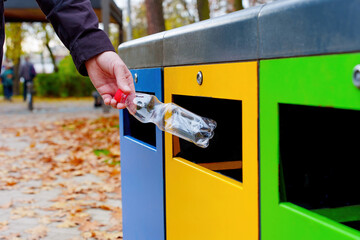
point(145, 132)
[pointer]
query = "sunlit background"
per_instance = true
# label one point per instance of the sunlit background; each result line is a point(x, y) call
point(176, 13)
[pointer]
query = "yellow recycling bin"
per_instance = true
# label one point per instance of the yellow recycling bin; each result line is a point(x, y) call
point(212, 193)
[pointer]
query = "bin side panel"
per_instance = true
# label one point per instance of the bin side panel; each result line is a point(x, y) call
point(142, 173)
point(320, 81)
point(202, 204)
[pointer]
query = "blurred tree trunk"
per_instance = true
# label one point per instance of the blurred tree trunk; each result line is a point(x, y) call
point(53, 60)
point(154, 16)
point(16, 83)
point(14, 37)
point(234, 5)
point(43, 62)
point(238, 5)
point(203, 9)
point(47, 45)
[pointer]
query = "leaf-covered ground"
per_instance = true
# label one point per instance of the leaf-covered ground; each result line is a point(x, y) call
point(61, 180)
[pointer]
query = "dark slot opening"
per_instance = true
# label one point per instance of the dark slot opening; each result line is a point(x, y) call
point(353, 224)
point(145, 132)
point(224, 153)
point(319, 158)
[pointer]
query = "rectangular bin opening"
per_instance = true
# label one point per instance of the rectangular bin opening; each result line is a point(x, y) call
point(319, 161)
point(224, 153)
point(145, 132)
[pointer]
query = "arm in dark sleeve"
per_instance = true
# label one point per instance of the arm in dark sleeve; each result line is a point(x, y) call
point(76, 24)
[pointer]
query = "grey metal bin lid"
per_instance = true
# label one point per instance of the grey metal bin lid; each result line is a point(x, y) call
point(309, 27)
point(227, 38)
point(143, 52)
point(286, 28)
point(232, 37)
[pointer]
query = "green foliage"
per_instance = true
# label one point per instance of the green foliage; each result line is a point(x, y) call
point(99, 152)
point(73, 84)
point(177, 14)
point(67, 82)
point(47, 85)
point(111, 162)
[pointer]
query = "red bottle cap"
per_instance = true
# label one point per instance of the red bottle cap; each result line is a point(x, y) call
point(120, 97)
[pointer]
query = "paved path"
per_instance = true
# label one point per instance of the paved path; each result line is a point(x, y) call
point(29, 204)
point(47, 110)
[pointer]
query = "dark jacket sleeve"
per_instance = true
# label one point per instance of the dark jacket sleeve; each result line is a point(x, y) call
point(76, 24)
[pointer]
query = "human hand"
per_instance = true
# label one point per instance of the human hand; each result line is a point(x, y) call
point(108, 73)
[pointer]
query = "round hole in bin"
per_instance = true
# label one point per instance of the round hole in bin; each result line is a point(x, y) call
point(199, 78)
point(356, 76)
point(136, 78)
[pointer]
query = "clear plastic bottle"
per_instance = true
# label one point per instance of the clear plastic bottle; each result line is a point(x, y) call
point(169, 117)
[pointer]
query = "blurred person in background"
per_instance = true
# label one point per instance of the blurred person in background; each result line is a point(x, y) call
point(28, 73)
point(7, 78)
point(76, 24)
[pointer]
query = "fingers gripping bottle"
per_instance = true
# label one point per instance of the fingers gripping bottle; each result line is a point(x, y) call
point(169, 117)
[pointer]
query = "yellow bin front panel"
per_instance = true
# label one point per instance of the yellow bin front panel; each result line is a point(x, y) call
point(200, 203)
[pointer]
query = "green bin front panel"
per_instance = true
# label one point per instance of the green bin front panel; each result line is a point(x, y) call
point(309, 152)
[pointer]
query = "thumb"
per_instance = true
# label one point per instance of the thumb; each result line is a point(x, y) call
point(124, 79)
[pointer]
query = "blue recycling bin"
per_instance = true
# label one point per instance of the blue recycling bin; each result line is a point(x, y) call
point(142, 166)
